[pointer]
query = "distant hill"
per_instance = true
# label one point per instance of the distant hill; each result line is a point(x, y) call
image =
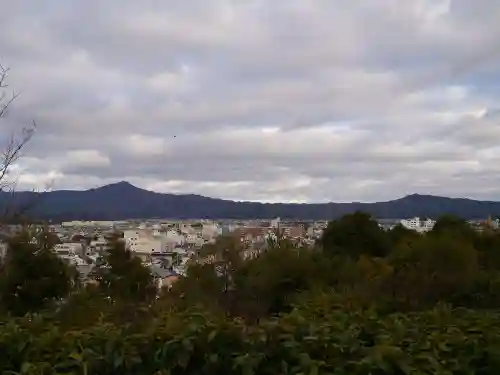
point(125, 201)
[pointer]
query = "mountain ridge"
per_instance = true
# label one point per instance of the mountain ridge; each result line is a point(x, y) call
point(122, 200)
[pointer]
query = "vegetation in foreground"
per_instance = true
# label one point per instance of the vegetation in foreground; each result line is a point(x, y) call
point(363, 301)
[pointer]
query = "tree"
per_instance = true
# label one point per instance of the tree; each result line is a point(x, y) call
point(200, 287)
point(213, 277)
point(226, 255)
point(123, 277)
point(400, 235)
point(454, 226)
point(45, 239)
point(488, 244)
point(434, 268)
point(251, 287)
point(271, 282)
point(32, 277)
point(355, 234)
point(12, 150)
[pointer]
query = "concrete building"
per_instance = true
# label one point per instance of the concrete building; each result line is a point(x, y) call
point(145, 242)
point(418, 225)
point(70, 248)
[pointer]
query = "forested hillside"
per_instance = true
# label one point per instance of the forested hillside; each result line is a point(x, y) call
point(122, 200)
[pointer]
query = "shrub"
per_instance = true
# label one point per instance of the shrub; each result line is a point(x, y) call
point(305, 341)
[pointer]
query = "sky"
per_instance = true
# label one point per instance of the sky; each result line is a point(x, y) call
point(259, 100)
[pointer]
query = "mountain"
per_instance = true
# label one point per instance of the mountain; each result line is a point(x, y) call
point(124, 201)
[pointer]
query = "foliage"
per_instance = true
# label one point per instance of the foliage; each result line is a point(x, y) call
point(488, 246)
point(122, 276)
point(32, 277)
point(356, 234)
point(365, 302)
point(400, 235)
point(433, 269)
point(308, 340)
point(252, 285)
point(454, 226)
point(270, 282)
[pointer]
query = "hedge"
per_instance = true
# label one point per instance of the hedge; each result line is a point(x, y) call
point(339, 342)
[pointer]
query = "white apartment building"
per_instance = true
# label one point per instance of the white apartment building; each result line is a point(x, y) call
point(174, 238)
point(145, 242)
point(70, 248)
point(418, 225)
point(81, 224)
point(187, 229)
point(194, 239)
point(97, 246)
point(210, 230)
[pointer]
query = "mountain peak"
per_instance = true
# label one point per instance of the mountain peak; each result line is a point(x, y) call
point(122, 183)
point(417, 196)
point(121, 186)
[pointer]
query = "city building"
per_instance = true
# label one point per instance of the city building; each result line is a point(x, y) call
point(418, 225)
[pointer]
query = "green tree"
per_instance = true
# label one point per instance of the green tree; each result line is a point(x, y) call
point(201, 286)
point(354, 235)
point(271, 282)
point(226, 256)
point(123, 277)
point(453, 226)
point(45, 239)
point(266, 283)
point(434, 268)
point(83, 308)
point(32, 277)
point(401, 235)
point(488, 244)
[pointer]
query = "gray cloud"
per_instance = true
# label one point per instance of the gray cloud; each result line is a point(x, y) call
point(264, 100)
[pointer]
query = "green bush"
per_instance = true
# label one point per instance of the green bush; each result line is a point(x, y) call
point(310, 340)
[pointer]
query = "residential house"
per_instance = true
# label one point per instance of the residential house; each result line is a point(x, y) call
point(164, 277)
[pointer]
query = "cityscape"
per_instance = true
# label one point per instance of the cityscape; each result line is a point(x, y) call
point(167, 247)
point(228, 187)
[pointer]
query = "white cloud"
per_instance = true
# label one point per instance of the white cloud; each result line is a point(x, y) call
point(87, 158)
point(143, 145)
point(286, 100)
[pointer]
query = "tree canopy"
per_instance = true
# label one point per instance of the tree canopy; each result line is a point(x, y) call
point(32, 277)
point(123, 277)
point(355, 234)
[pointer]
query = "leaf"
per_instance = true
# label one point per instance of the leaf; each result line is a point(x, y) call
point(212, 335)
point(186, 343)
point(26, 367)
point(76, 356)
point(314, 370)
point(183, 360)
point(22, 345)
point(66, 364)
point(118, 360)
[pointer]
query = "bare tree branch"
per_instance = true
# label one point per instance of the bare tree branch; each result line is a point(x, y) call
point(5, 103)
point(12, 151)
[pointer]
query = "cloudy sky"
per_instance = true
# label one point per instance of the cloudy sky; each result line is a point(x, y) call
point(289, 100)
